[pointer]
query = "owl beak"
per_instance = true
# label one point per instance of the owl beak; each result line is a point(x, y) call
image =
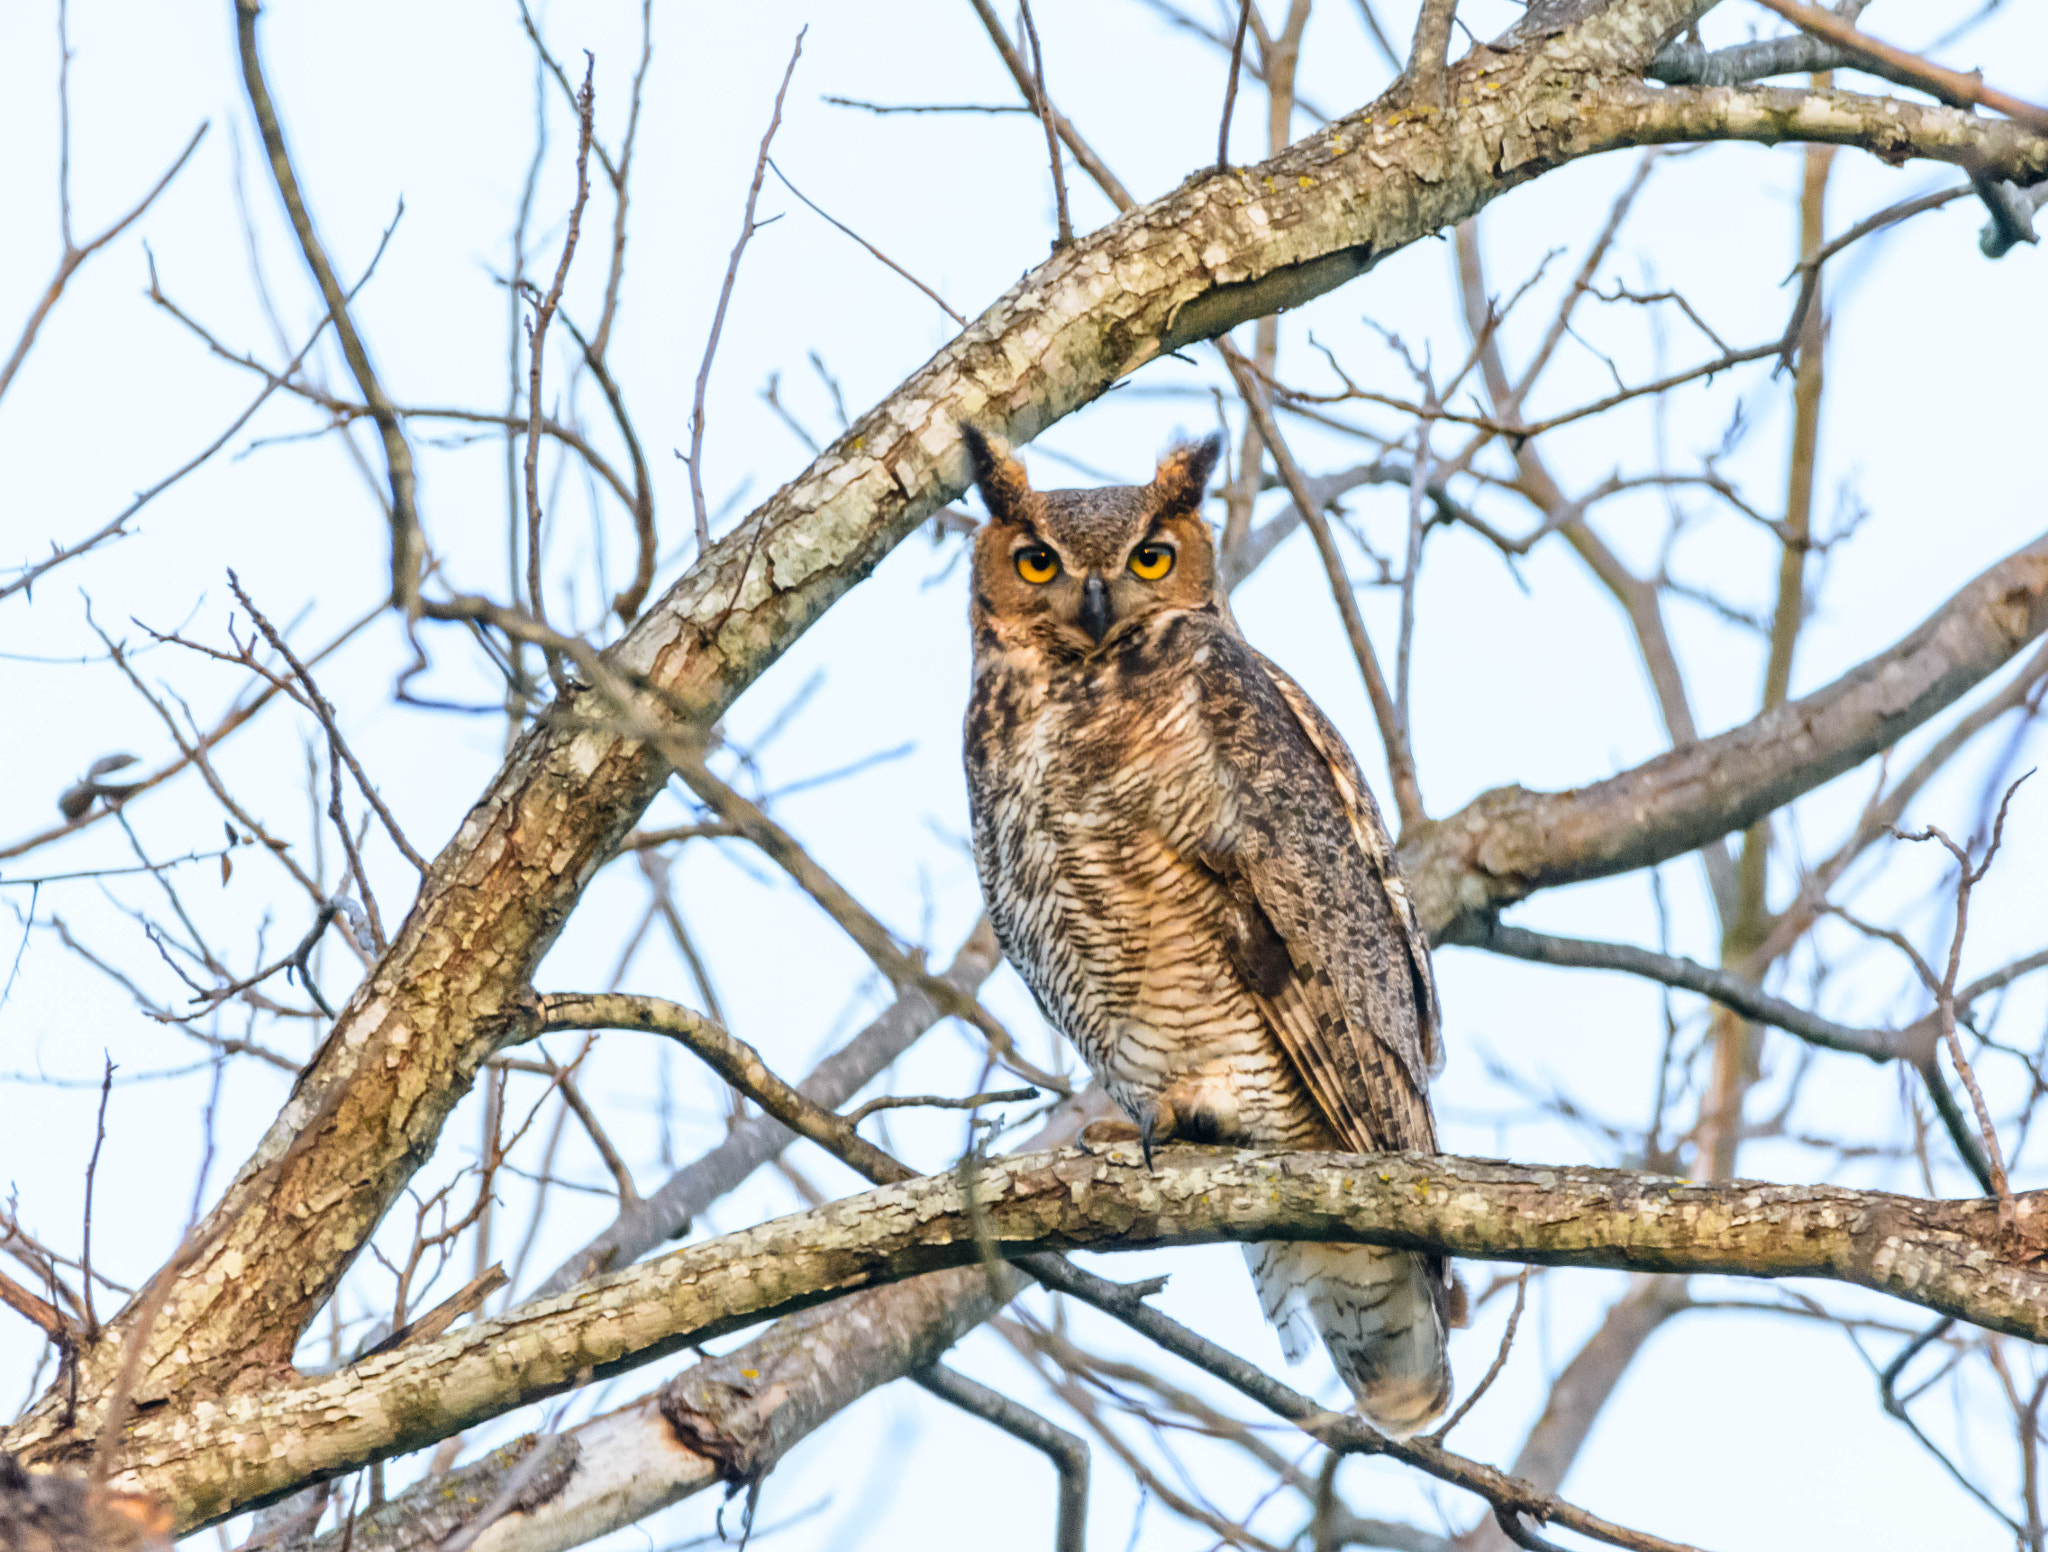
point(1095, 608)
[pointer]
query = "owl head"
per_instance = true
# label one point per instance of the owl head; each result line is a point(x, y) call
point(1070, 570)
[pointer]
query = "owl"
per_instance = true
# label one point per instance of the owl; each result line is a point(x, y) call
point(1184, 864)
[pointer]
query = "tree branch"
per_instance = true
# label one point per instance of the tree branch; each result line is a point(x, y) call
point(668, 1211)
point(1913, 1044)
point(408, 545)
point(1951, 86)
point(1507, 843)
point(254, 1444)
point(1068, 1452)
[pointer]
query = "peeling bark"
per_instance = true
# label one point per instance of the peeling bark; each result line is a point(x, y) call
point(254, 1445)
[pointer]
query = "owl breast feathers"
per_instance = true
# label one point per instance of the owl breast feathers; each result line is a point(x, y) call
point(1186, 867)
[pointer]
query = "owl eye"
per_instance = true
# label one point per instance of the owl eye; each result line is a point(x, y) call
point(1037, 564)
point(1150, 562)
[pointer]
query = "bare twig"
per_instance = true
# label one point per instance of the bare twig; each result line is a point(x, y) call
point(321, 708)
point(925, 107)
point(1244, 16)
point(1020, 72)
point(26, 580)
point(1730, 990)
point(76, 254)
point(874, 940)
point(1500, 1361)
point(668, 1210)
point(1067, 1452)
point(695, 461)
point(938, 1102)
point(1052, 144)
point(732, 1059)
point(536, 339)
point(465, 1301)
point(1968, 876)
point(92, 1167)
point(1348, 1435)
point(1400, 760)
point(871, 248)
point(408, 544)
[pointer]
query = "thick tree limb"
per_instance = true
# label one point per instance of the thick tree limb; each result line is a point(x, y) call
point(1509, 842)
point(731, 1418)
point(1203, 258)
point(255, 1444)
point(725, 1422)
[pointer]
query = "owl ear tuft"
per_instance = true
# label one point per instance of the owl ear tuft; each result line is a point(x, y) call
point(1005, 490)
point(1183, 477)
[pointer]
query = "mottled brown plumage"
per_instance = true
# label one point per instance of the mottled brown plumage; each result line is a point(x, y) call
point(1186, 867)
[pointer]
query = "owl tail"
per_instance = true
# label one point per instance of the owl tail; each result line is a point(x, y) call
point(1383, 1316)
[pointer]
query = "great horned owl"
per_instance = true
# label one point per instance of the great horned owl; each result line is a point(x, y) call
point(1184, 864)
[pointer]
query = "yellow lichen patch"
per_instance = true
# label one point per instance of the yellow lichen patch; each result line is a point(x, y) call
point(1306, 181)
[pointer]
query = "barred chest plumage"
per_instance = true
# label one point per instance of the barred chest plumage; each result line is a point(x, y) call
point(1094, 785)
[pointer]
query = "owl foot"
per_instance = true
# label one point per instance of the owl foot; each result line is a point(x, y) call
point(1156, 1123)
point(1106, 1133)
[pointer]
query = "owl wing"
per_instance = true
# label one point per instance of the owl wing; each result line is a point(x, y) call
point(1324, 934)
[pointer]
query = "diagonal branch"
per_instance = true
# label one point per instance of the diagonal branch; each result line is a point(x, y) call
point(1400, 755)
point(408, 545)
point(1951, 86)
point(753, 1141)
point(1510, 842)
point(1068, 1452)
point(1429, 55)
point(731, 1058)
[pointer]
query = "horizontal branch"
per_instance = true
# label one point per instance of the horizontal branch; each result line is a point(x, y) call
point(1682, 62)
point(1914, 1044)
point(1508, 843)
point(253, 1445)
point(730, 1418)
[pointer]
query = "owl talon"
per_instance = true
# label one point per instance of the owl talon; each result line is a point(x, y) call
point(1157, 1122)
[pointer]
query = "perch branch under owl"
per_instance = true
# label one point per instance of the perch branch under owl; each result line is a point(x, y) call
point(1933, 1253)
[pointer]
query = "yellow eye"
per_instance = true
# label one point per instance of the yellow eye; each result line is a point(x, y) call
point(1150, 562)
point(1037, 564)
